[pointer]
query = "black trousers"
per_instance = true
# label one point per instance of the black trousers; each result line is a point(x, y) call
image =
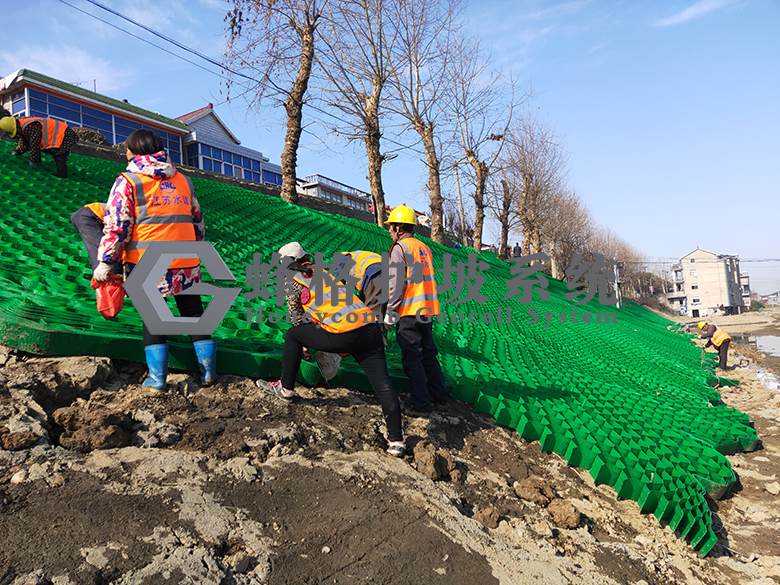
point(420, 362)
point(723, 354)
point(365, 345)
point(189, 306)
point(90, 228)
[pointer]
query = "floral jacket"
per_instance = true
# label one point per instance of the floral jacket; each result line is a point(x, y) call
point(119, 221)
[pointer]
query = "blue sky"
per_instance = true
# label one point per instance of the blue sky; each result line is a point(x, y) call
point(669, 109)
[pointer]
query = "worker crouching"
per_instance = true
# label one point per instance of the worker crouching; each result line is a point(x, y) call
point(346, 327)
point(719, 338)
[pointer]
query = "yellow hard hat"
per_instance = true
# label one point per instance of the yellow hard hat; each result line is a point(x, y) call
point(402, 214)
point(702, 324)
point(8, 125)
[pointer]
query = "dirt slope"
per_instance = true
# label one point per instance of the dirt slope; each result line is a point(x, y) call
point(226, 485)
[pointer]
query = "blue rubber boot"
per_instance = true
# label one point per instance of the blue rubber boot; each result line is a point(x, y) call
point(157, 360)
point(206, 351)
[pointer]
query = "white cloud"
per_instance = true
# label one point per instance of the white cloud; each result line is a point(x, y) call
point(63, 62)
point(699, 9)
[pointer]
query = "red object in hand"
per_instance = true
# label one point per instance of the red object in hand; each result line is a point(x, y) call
point(110, 295)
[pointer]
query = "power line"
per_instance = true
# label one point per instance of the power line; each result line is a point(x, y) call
point(204, 57)
point(139, 38)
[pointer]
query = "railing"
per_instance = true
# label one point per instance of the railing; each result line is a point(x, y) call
point(336, 185)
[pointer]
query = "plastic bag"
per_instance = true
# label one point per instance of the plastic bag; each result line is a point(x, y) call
point(110, 296)
point(329, 363)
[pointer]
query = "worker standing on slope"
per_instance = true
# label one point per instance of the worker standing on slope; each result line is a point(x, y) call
point(346, 327)
point(41, 134)
point(154, 202)
point(719, 338)
point(408, 301)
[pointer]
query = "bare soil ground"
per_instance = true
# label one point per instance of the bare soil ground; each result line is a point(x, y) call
point(101, 482)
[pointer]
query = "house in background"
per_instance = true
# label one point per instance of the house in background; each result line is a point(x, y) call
point(211, 146)
point(706, 284)
point(199, 139)
point(325, 188)
point(27, 93)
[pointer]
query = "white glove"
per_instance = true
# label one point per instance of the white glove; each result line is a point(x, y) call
point(389, 321)
point(102, 272)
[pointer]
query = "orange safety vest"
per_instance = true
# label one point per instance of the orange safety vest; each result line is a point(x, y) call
point(97, 209)
point(52, 133)
point(163, 213)
point(422, 295)
point(719, 336)
point(363, 260)
point(338, 318)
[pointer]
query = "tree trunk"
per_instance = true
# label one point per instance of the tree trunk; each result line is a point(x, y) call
point(526, 214)
point(434, 183)
point(503, 218)
point(375, 158)
point(463, 242)
point(481, 173)
point(294, 106)
point(555, 264)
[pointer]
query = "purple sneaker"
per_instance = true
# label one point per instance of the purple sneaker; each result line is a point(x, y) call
point(276, 389)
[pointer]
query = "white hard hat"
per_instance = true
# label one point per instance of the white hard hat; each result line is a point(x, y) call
point(294, 250)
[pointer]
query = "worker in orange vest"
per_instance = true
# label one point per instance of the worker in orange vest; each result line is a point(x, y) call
point(154, 202)
point(367, 271)
point(346, 327)
point(412, 313)
point(41, 134)
point(719, 338)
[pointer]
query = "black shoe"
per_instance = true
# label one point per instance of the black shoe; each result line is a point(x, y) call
point(440, 406)
point(409, 411)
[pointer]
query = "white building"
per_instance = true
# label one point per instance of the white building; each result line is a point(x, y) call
point(707, 284)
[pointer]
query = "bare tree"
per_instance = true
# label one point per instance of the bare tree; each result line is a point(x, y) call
point(482, 102)
point(423, 32)
point(456, 225)
point(568, 229)
point(536, 159)
point(273, 42)
point(354, 62)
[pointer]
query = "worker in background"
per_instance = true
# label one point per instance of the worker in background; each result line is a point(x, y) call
point(517, 251)
point(719, 338)
point(41, 134)
point(407, 301)
point(154, 202)
point(348, 327)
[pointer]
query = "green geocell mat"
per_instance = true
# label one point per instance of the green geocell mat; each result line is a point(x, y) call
point(628, 401)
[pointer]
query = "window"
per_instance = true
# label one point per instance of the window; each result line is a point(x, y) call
point(207, 164)
point(694, 287)
point(273, 178)
point(696, 300)
point(693, 260)
point(247, 163)
point(192, 150)
point(693, 272)
point(228, 170)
